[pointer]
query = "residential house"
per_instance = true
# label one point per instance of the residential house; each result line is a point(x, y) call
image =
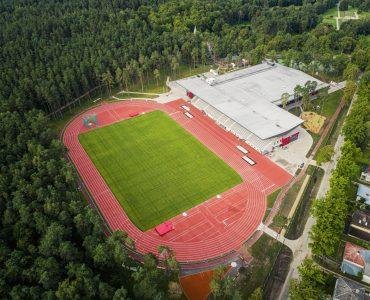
point(348, 290)
point(356, 261)
point(363, 192)
point(360, 225)
point(365, 175)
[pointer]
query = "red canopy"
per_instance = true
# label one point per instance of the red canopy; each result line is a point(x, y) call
point(164, 228)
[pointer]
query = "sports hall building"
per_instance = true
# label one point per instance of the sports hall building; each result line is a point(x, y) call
point(247, 102)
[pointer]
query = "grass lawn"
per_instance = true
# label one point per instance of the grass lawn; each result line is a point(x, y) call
point(289, 199)
point(329, 104)
point(302, 212)
point(296, 111)
point(270, 202)
point(155, 168)
point(329, 16)
point(264, 252)
point(135, 95)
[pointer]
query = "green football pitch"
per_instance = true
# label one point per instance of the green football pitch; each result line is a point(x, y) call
point(155, 168)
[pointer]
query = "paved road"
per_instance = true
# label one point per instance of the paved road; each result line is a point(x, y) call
point(302, 249)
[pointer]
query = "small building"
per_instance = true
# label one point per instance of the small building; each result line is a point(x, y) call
point(363, 193)
point(360, 225)
point(348, 290)
point(365, 175)
point(355, 260)
point(352, 263)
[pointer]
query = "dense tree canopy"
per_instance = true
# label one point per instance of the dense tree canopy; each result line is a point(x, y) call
point(51, 243)
point(324, 154)
point(355, 127)
point(312, 283)
point(331, 211)
point(54, 51)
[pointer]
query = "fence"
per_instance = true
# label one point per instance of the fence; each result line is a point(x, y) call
point(69, 105)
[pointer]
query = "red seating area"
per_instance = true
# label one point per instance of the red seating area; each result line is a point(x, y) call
point(212, 229)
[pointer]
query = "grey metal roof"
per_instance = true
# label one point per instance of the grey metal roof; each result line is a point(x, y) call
point(250, 96)
point(348, 290)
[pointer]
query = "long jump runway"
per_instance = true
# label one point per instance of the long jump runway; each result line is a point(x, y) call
point(211, 229)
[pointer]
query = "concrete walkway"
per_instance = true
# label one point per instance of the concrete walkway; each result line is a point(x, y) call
point(302, 249)
point(335, 86)
point(292, 244)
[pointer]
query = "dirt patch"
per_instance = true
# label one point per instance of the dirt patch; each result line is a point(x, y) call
point(196, 287)
point(312, 121)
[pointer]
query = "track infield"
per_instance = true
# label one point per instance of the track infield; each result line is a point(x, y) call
point(155, 168)
point(209, 233)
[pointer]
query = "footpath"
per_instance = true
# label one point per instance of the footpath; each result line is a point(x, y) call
point(302, 249)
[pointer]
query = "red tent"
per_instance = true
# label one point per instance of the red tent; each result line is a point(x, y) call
point(165, 227)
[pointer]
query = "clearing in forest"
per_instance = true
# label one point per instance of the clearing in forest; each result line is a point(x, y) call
point(155, 168)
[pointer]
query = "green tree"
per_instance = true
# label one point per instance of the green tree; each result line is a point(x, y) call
point(298, 92)
point(257, 294)
point(284, 99)
point(351, 72)
point(140, 74)
point(174, 65)
point(168, 256)
point(222, 287)
point(107, 79)
point(156, 75)
point(216, 282)
point(324, 154)
point(354, 128)
point(349, 91)
point(343, 5)
point(280, 221)
point(311, 284)
point(331, 211)
point(120, 294)
point(149, 281)
point(305, 98)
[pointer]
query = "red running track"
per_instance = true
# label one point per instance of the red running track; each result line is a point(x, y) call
point(214, 227)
